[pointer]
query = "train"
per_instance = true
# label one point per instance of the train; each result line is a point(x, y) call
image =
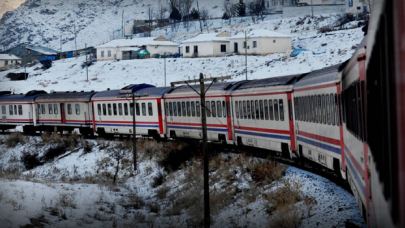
point(348, 118)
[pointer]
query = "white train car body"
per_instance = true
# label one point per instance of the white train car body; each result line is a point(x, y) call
point(114, 110)
point(317, 126)
point(262, 114)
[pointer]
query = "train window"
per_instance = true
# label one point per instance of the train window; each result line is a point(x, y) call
point(228, 109)
point(10, 109)
point(77, 107)
point(120, 109)
point(319, 110)
point(69, 109)
point(261, 110)
point(197, 107)
point(276, 115)
point(167, 109)
point(332, 109)
point(174, 108)
point(170, 108)
point(266, 110)
point(290, 109)
point(240, 110)
point(336, 110)
point(50, 109)
point(109, 109)
point(257, 109)
point(280, 103)
point(183, 108)
point(3, 110)
point(223, 109)
point(207, 108)
point(143, 109)
point(104, 110)
point(271, 109)
point(39, 109)
point(192, 108)
point(252, 109)
point(244, 110)
point(131, 109)
point(219, 109)
point(55, 108)
point(307, 108)
point(323, 113)
point(20, 111)
point(237, 109)
point(248, 110)
point(328, 106)
point(313, 108)
point(297, 108)
point(213, 109)
point(188, 108)
point(126, 109)
point(137, 109)
point(115, 109)
point(179, 108)
point(150, 109)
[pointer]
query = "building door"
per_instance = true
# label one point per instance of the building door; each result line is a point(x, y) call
point(235, 47)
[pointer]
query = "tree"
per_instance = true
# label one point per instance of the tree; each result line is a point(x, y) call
point(241, 9)
point(225, 16)
point(257, 8)
point(175, 14)
point(194, 14)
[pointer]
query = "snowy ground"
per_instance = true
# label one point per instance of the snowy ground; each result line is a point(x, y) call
point(61, 193)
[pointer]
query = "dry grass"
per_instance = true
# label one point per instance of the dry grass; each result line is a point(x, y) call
point(267, 172)
point(288, 193)
point(15, 138)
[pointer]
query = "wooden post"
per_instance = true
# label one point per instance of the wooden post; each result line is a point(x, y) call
point(204, 146)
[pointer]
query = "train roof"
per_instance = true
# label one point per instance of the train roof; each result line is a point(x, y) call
point(268, 82)
point(6, 96)
point(149, 91)
point(325, 75)
point(219, 87)
point(66, 97)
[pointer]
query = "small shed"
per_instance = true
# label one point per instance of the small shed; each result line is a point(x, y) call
point(261, 42)
point(207, 45)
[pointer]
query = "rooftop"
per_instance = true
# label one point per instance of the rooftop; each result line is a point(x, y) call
point(137, 42)
point(8, 57)
point(209, 37)
point(43, 50)
point(259, 33)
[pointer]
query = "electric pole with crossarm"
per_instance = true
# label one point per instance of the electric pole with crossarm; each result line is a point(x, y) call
point(204, 137)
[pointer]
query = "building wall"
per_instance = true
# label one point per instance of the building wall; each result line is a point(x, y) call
point(264, 45)
point(358, 6)
point(307, 10)
point(9, 62)
point(118, 52)
point(206, 49)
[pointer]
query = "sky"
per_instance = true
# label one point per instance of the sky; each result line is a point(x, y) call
point(9, 5)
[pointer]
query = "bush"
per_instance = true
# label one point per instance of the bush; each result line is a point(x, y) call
point(87, 146)
point(54, 151)
point(177, 156)
point(287, 194)
point(325, 29)
point(51, 138)
point(158, 179)
point(14, 138)
point(268, 171)
point(30, 161)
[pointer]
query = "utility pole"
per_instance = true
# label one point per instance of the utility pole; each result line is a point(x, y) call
point(123, 31)
point(246, 56)
point(25, 64)
point(204, 138)
point(312, 8)
point(165, 67)
point(85, 62)
point(74, 26)
point(60, 54)
point(199, 17)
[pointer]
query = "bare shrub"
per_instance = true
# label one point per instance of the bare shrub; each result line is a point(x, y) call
point(287, 194)
point(134, 202)
point(289, 216)
point(87, 146)
point(51, 138)
point(158, 179)
point(102, 144)
point(325, 29)
point(15, 138)
point(161, 193)
point(67, 200)
point(177, 155)
point(268, 172)
point(54, 151)
point(30, 160)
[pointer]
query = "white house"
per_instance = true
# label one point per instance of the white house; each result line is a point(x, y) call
point(134, 48)
point(8, 60)
point(207, 45)
point(260, 42)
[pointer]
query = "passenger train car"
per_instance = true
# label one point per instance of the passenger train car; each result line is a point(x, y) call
point(349, 118)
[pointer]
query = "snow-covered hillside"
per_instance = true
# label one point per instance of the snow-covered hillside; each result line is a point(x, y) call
point(42, 22)
point(324, 49)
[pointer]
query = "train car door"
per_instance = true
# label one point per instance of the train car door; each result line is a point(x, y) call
point(62, 113)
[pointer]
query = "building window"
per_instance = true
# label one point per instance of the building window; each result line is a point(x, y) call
point(187, 49)
point(274, 41)
point(77, 106)
point(244, 44)
point(254, 44)
point(109, 53)
point(6, 62)
point(195, 49)
point(223, 48)
point(102, 53)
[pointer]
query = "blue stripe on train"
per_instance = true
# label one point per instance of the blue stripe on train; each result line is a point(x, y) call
point(126, 125)
point(318, 144)
point(356, 175)
point(199, 128)
point(261, 134)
